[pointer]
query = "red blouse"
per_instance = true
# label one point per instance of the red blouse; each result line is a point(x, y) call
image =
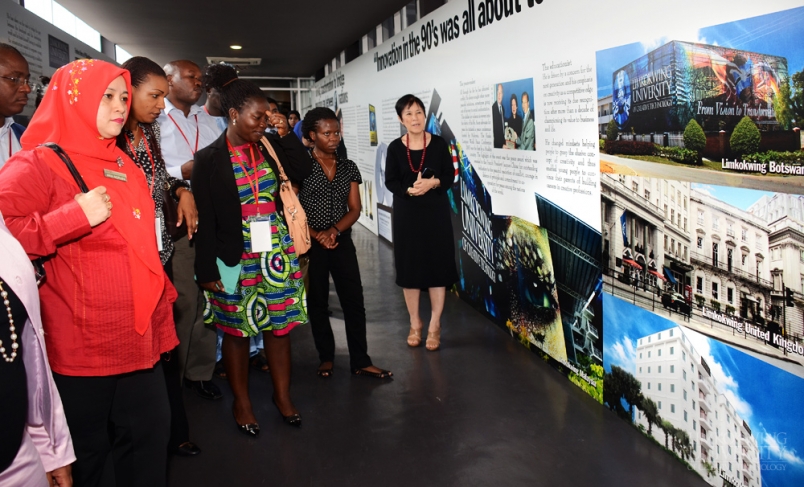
point(87, 297)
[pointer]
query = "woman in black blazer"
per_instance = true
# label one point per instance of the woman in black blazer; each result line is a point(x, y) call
point(245, 259)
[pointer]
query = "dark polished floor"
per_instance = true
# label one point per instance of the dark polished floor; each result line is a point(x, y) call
point(482, 411)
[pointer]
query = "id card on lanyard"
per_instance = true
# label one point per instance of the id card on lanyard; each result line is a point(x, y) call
point(151, 183)
point(260, 230)
point(259, 225)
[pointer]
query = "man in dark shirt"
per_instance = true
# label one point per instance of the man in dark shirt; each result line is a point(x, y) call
point(498, 117)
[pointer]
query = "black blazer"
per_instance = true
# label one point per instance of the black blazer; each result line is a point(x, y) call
point(220, 230)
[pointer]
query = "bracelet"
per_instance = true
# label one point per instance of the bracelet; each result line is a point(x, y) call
point(336, 229)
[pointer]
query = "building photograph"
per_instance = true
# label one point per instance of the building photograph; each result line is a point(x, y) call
point(728, 262)
point(709, 404)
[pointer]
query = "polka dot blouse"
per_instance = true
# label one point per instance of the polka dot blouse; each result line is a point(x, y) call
point(324, 201)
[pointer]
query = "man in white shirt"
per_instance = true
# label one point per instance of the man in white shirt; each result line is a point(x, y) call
point(215, 76)
point(187, 128)
point(14, 89)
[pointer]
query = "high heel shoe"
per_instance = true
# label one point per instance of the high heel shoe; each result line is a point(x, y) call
point(251, 429)
point(415, 337)
point(292, 420)
point(433, 342)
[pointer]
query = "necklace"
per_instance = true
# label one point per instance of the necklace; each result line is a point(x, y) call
point(424, 152)
point(11, 328)
point(330, 172)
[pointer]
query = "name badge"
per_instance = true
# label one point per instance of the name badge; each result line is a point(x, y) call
point(120, 176)
point(261, 236)
point(159, 234)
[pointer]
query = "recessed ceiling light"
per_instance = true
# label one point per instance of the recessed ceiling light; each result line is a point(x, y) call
point(235, 47)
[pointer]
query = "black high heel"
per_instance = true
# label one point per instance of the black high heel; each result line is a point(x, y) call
point(292, 420)
point(251, 429)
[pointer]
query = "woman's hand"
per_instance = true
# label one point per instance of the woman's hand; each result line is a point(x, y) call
point(280, 123)
point(213, 287)
point(62, 477)
point(422, 186)
point(187, 211)
point(96, 204)
point(327, 238)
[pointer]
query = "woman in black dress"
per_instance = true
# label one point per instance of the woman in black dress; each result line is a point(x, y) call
point(419, 171)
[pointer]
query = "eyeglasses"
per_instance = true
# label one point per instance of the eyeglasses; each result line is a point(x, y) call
point(21, 81)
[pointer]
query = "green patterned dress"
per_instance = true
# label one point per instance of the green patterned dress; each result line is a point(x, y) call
point(265, 291)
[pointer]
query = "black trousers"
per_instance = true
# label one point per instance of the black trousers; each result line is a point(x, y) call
point(124, 415)
point(179, 426)
point(341, 263)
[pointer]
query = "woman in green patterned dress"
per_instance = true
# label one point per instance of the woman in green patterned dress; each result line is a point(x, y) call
point(245, 259)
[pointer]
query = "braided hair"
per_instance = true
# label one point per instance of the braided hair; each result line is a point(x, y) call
point(237, 92)
point(140, 68)
point(314, 116)
point(217, 75)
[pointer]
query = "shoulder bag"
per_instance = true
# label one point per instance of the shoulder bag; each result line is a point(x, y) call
point(39, 264)
point(295, 217)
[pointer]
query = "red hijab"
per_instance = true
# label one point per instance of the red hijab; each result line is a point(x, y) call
point(68, 117)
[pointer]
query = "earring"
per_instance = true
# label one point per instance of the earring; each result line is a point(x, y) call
point(234, 122)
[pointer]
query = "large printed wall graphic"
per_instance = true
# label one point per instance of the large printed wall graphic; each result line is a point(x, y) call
point(626, 205)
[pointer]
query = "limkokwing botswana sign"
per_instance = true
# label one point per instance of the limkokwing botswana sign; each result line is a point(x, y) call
point(679, 81)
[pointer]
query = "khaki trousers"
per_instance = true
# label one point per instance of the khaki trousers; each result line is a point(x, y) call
point(197, 341)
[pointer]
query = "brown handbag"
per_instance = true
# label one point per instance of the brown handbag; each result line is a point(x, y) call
point(295, 217)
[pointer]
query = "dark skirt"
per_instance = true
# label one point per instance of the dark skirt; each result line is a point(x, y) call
point(424, 249)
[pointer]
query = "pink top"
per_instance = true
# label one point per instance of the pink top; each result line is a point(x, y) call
point(46, 424)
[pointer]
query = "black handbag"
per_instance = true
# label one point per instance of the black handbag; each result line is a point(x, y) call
point(170, 211)
point(39, 264)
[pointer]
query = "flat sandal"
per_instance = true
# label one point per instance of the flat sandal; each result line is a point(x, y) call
point(382, 374)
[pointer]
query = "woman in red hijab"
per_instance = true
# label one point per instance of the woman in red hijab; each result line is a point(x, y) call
point(106, 302)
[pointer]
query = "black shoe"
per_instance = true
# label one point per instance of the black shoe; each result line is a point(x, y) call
point(205, 389)
point(293, 419)
point(187, 449)
point(250, 429)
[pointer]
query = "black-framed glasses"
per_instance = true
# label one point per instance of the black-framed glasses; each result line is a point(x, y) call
point(21, 81)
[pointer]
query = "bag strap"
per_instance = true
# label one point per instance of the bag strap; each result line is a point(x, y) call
point(272, 153)
point(70, 166)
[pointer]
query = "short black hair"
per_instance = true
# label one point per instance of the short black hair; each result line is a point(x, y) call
point(314, 116)
point(272, 101)
point(237, 93)
point(296, 112)
point(514, 98)
point(407, 101)
point(217, 75)
point(8, 48)
point(525, 95)
point(140, 68)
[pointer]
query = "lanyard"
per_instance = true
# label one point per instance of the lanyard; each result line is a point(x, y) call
point(255, 186)
point(150, 156)
point(185, 137)
point(9, 142)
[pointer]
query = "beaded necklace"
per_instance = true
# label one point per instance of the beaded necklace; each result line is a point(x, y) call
point(11, 328)
point(424, 152)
